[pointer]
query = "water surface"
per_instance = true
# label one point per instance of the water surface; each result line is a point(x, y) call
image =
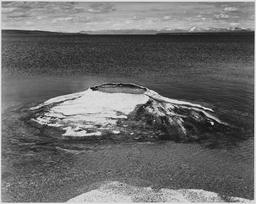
point(217, 72)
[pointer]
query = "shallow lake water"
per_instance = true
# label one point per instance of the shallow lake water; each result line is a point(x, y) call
point(37, 168)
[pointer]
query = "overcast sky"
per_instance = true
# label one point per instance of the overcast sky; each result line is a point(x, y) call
point(74, 17)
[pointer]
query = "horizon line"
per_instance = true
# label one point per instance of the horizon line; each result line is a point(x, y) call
point(219, 30)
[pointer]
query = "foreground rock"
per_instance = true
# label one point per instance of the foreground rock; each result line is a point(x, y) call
point(121, 192)
point(124, 111)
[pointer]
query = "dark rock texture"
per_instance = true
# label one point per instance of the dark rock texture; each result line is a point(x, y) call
point(125, 112)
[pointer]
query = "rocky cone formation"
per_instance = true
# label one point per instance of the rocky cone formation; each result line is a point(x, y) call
point(124, 111)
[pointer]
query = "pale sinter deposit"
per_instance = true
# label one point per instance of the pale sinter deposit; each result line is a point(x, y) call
point(128, 111)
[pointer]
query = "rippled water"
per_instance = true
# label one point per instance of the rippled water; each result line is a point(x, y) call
point(216, 72)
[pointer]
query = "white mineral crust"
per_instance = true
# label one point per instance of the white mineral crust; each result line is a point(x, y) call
point(121, 192)
point(90, 112)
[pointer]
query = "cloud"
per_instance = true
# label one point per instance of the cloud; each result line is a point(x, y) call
point(222, 16)
point(40, 17)
point(18, 15)
point(166, 17)
point(136, 18)
point(101, 8)
point(62, 19)
point(234, 24)
point(74, 16)
point(201, 17)
point(127, 21)
point(8, 10)
point(28, 22)
point(84, 19)
point(230, 9)
point(77, 10)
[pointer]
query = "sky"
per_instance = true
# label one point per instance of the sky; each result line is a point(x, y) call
point(85, 16)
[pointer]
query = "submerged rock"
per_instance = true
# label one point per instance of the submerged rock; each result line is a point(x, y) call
point(124, 111)
point(121, 192)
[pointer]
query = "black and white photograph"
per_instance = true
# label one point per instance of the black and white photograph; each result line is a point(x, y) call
point(123, 101)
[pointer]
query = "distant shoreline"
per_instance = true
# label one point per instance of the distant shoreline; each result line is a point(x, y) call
point(38, 32)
